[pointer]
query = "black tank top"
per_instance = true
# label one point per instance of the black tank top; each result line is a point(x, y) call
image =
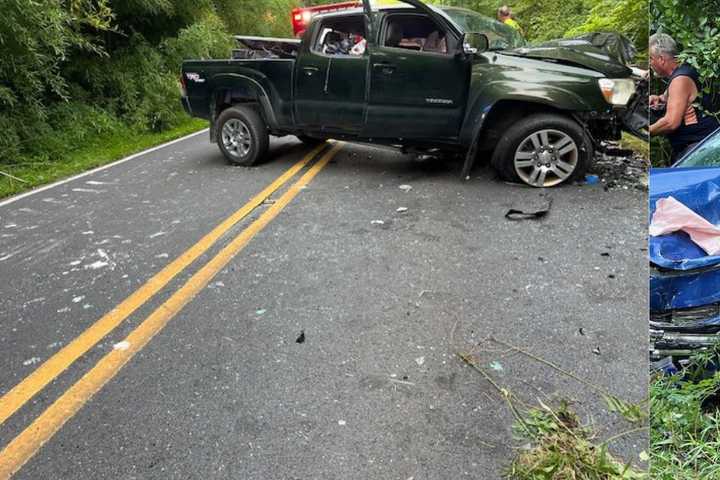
point(687, 134)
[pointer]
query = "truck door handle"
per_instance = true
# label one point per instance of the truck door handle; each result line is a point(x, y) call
point(309, 71)
point(387, 68)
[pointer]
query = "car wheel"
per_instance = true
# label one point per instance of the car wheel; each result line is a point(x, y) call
point(242, 135)
point(543, 150)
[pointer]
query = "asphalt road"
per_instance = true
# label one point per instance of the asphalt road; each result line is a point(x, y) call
point(376, 390)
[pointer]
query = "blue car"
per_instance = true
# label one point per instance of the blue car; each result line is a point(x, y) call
point(684, 280)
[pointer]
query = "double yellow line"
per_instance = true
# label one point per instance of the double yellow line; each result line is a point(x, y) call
point(28, 442)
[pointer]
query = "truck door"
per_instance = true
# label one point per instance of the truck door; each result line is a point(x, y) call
point(418, 83)
point(331, 76)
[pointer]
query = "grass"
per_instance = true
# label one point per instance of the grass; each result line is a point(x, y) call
point(685, 422)
point(561, 448)
point(641, 147)
point(100, 151)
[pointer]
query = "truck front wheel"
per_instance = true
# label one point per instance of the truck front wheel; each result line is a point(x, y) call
point(242, 135)
point(543, 150)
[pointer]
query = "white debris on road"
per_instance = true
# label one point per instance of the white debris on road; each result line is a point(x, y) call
point(86, 190)
point(31, 361)
point(124, 345)
point(105, 262)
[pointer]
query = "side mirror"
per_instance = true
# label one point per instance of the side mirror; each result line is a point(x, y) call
point(474, 43)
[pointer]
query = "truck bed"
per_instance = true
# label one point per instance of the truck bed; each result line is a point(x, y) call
point(210, 81)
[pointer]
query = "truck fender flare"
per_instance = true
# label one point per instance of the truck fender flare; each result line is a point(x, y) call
point(256, 89)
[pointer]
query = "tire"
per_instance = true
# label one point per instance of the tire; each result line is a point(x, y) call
point(543, 150)
point(311, 141)
point(242, 135)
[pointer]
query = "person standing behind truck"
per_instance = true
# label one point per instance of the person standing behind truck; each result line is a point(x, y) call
point(683, 124)
point(504, 15)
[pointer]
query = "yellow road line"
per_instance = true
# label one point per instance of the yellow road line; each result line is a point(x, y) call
point(27, 443)
point(55, 365)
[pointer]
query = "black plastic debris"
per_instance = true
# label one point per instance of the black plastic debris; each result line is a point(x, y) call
point(301, 337)
point(516, 214)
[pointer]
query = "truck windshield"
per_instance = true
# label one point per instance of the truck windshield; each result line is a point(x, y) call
point(501, 37)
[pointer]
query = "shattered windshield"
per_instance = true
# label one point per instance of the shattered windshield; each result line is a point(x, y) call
point(501, 37)
point(707, 155)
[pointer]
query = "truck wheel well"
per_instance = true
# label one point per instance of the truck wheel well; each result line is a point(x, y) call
point(503, 114)
point(227, 98)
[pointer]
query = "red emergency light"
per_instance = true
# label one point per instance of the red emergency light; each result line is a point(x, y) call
point(301, 16)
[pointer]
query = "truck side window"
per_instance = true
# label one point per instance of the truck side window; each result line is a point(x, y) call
point(415, 32)
point(341, 36)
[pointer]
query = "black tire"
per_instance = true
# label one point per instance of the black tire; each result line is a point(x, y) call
point(311, 141)
point(539, 154)
point(246, 139)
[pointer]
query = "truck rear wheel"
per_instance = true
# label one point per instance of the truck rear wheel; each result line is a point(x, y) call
point(242, 135)
point(543, 150)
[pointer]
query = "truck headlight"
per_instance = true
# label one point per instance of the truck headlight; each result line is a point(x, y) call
point(617, 91)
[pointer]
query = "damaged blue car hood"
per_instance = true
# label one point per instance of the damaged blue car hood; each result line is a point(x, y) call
point(688, 277)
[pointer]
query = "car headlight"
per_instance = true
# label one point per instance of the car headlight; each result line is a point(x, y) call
point(617, 91)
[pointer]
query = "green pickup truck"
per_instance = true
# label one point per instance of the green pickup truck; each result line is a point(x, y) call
point(434, 80)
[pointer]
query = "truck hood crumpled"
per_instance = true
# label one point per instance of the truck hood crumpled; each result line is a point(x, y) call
point(575, 52)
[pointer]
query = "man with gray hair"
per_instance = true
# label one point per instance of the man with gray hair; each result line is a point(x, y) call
point(683, 124)
point(504, 15)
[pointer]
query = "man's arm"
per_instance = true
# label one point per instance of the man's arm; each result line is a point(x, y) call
point(680, 94)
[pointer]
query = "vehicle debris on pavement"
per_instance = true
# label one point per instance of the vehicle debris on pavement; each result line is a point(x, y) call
point(515, 214)
point(626, 171)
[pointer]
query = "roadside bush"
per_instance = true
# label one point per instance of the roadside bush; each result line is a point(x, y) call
point(685, 422)
point(204, 39)
point(543, 20)
point(695, 25)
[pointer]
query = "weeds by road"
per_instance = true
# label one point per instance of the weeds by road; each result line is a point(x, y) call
point(557, 446)
point(18, 177)
point(685, 422)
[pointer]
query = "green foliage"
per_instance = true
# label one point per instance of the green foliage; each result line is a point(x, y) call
point(74, 69)
point(543, 20)
point(695, 26)
point(685, 424)
point(560, 448)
